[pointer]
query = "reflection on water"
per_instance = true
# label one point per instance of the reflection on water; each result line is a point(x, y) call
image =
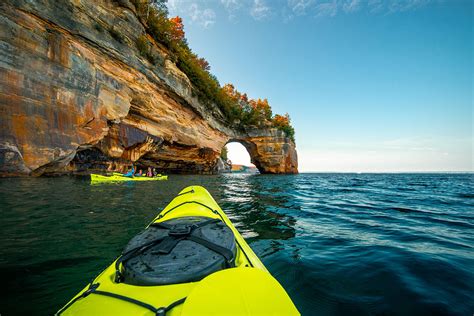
point(247, 202)
point(394, 244)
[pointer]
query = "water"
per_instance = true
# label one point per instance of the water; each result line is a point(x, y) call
point(368, 244)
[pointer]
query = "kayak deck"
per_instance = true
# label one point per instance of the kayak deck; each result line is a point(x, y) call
point(191, 298)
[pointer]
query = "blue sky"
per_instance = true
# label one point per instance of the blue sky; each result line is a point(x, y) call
point(370, 85)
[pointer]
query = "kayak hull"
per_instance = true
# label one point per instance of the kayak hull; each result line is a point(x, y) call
point(97, 178)
point(248, 288)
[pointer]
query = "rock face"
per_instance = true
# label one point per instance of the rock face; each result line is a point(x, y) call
point(77, 96)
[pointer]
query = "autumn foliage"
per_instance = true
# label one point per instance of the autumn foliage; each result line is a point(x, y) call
point(204, 64)
point(177, 29)
point(237, 107)
point(283, 122)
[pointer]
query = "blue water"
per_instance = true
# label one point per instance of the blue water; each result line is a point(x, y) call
point(340, 244)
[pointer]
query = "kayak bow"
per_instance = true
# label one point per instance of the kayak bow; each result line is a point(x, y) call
point(190, 260)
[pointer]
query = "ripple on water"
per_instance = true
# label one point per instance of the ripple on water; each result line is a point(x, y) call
point(393, 244)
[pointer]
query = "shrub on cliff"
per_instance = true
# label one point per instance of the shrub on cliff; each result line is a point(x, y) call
point(154, 15)
point(224, 153)
point(283, 122)
point(144, 49)
point(142, 45)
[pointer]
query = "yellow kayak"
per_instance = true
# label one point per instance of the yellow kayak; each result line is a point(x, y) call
point(117, 177)
point(190, 260)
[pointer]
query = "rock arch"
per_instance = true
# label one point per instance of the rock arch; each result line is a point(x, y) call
point(270, 150)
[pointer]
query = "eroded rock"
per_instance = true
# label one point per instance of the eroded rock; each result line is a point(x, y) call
point(77, 97)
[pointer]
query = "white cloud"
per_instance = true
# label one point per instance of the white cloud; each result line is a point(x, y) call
point(260, 10)
point(203, 17)
point(393, 6)
point(327, 8)
point(203, 13)
point(193, 12)
point(231, 5)
point(405, 5)
point(375, 6)
point(300, 7)
point(351, 6)
point(331, 8)
point(208, 18)
point(173, 5)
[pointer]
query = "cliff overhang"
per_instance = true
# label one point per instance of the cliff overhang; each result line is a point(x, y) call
point(77, 96)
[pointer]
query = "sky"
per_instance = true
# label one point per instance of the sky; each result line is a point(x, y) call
point(371, 86)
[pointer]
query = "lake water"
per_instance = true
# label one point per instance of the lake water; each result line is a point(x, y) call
point(340, 244)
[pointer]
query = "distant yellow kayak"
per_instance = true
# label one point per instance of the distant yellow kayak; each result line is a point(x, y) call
point(190, 260)
point(116, 177)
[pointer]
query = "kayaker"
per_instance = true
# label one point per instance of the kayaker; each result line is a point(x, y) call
point(130, 173)
point(149, 173)
point(154, 172)
point(140, 173)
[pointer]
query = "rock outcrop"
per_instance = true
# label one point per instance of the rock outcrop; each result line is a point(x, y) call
point(76, 95)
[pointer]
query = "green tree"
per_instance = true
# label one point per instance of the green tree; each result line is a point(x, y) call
point(224, 153)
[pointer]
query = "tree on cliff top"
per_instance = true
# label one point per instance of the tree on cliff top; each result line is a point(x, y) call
point(283, 122)
point(204, 64)
point(177, 29)
point(238, 109)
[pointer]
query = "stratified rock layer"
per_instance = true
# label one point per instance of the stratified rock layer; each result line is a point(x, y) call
point(76, 95)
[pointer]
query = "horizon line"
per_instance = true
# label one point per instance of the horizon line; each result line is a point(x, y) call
point(414, 171)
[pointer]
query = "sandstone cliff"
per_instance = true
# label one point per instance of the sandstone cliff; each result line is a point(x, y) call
point(76, 95)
